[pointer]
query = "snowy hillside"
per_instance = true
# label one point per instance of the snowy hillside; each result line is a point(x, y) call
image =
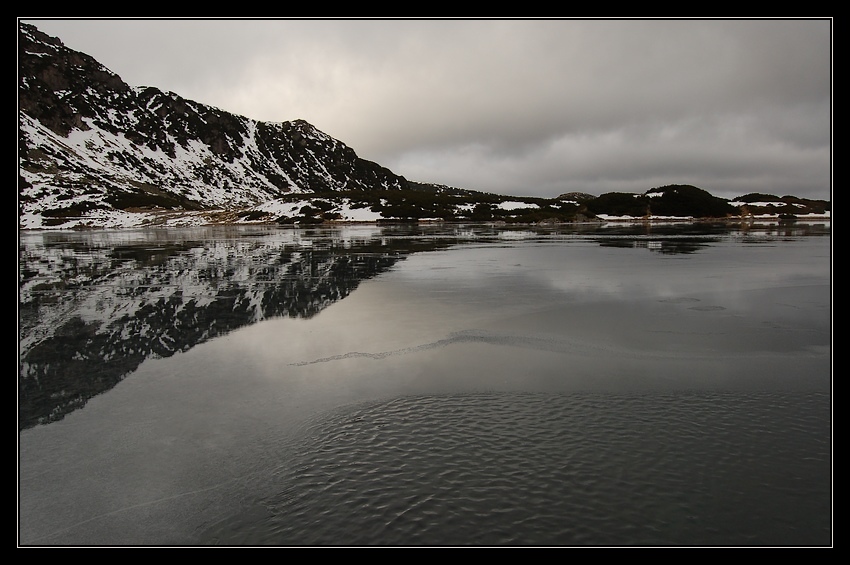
point(90, 143)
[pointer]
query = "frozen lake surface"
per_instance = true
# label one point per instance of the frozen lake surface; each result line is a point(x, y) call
point(426, 385)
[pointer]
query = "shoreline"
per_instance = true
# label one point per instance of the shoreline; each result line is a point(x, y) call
point(135, 220)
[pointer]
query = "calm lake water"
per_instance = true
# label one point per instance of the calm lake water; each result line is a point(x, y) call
point(426, 386)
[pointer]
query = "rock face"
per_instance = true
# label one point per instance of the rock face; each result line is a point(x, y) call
point(88, 140)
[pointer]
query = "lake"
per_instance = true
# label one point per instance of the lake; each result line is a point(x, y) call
point(426, 385)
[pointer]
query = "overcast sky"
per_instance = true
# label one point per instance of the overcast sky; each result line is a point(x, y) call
point(520, 107)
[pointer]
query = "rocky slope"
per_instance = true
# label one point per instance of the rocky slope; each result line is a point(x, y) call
point(89, 142)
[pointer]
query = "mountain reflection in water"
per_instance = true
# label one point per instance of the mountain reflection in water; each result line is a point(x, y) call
point(94, 305)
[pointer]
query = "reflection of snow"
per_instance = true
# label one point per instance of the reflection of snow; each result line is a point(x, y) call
point(610, 218)
point(514, 234)
point(96, 284)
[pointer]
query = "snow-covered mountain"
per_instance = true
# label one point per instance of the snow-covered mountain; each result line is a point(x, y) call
point(89, 143)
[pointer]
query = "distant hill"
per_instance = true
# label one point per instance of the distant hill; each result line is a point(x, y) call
point(670, 201)
point(97, 152)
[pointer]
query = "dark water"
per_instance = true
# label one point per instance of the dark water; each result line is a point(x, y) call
point(554, 469)
point(430, 386)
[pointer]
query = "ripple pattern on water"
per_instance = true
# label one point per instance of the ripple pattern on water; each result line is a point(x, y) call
point(692, 468)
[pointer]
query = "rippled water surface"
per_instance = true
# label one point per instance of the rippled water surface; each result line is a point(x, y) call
point(426, 386)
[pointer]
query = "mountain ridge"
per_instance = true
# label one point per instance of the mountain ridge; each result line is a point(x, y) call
point(97, 152)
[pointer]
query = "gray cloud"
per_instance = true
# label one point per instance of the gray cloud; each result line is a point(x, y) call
point(524, 107)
